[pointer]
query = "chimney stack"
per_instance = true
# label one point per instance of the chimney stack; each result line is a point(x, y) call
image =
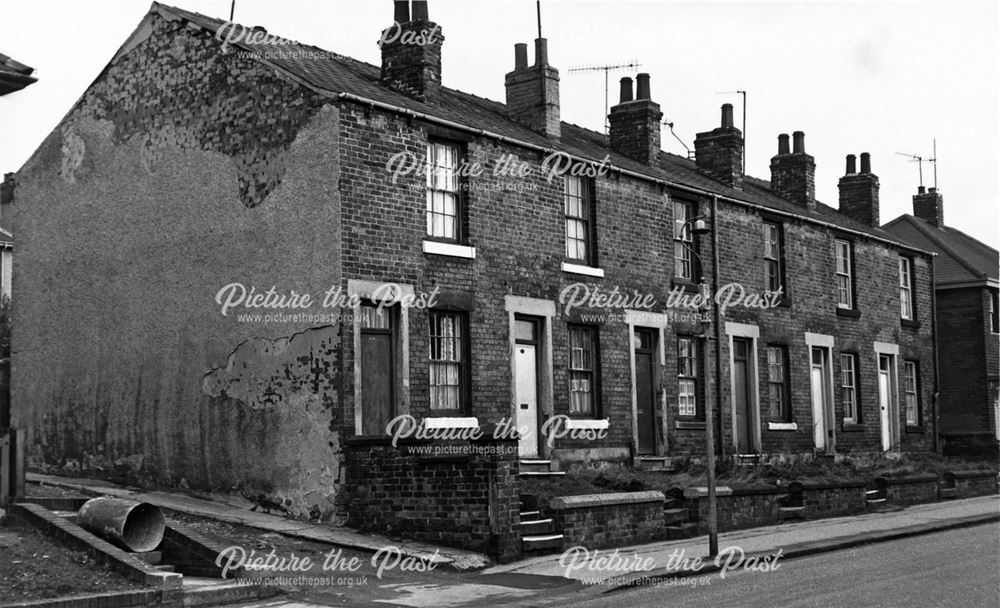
point(719, 152)
point(929, 206)
point(411, 52)
point(533, 92)
point(634, 124)
point(859, 192)
point(793, 174)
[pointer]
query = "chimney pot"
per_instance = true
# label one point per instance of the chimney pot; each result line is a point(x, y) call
point(921, 190)
point(783, 143)
point(852, 166)
point(401, 11)
point(520, 56)
point(626, 90)
point(798, 142)
point(642, 86)
point(866, 163)
point(541, 52)
point(727, 116)
point(933, 190)
point(420, 10)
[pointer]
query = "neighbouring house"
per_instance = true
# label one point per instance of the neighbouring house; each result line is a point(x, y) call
point(6, 235)
point(194, 170)
point(968, 321)
point(14, 76)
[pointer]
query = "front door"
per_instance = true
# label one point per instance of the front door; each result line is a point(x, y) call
point(645, 397)
point(377, 365)
point(820, 388)
point(742, 396)
point(526, 385)
point(885, 400)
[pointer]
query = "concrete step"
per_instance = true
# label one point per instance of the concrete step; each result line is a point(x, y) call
point(153, 558)
point(166, 568)
point(542, 473)
point(673, 503)
point(541, 542)
point(791, 513)
point(877, 504)
point(72, 516)
point(947, 493)
point(534, 465)
point(675, 516)
point(653, 463)
point(685, 530)
point(213, 593)
point(529, 515)
point(536, 527)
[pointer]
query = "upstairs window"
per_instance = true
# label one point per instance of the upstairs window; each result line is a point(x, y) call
point(582, 370)
point(444, 212)
point(994, 311)
point(687, 377)
point(849, 386)
point(579, 221)
point(683, 241)
point(773, 258)
point(845, 274)
point(778, 406)
point(905, 288)
point(447, 361)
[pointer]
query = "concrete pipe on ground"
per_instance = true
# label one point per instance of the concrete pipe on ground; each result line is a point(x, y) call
point(135, 526)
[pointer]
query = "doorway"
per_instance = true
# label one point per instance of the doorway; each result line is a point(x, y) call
point(644, 341)
point(526, 335)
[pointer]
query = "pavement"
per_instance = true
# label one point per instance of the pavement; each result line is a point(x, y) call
point(580, 576)
point(325, 533)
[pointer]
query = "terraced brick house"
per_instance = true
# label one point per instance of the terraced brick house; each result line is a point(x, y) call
point(965, 292)
point(190, 165)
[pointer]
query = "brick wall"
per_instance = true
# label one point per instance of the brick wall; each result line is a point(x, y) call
point(972, 483)
point(830, 499)
point(609, 520)
point(909, 490)
point(468, 499)
point(968, 357)
point(737, 508)
point(181, 170)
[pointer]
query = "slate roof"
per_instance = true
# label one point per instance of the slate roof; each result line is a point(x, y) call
point(14, 75)
point(961, 259)
point(333, 74)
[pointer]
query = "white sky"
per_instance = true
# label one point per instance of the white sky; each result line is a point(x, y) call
point(879, 77)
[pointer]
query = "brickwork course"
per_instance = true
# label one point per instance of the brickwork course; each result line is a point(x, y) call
point(190, 165)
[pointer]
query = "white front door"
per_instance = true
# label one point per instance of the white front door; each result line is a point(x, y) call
point(885, 405)
point(819, 380)
point(525, 366)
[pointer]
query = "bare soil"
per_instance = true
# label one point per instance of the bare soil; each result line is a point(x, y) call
point(33, 566)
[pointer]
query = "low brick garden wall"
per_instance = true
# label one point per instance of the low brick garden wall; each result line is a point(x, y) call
point(909, 490)
point(737, 508)
point(465, 496)
point(598, 521)
point(971, 483)
point(829, 499)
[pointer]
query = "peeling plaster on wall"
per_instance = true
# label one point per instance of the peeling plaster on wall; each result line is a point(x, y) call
point(263, 373)
point(172, 87)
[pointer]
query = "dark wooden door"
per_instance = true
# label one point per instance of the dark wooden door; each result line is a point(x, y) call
point(741, 395)
point(376, 382)
point(645, 397)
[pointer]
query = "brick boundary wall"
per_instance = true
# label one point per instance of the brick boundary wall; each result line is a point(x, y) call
point(466, 498)
point(737, 508)
point(830, 499)
point(910, 490)
point(598, 521)
point(972, 483)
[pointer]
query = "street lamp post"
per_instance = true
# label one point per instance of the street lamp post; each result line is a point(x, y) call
point(699, 228)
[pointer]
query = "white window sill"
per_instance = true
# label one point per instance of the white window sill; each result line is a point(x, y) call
point(782, 426)
point(450, 250)
point(470, 422)
point(589, 271)
point(590, 425)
